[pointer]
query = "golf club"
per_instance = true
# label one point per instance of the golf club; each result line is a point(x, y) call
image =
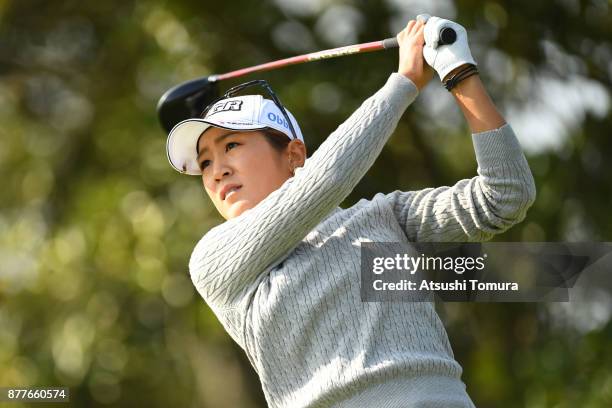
point(188, 99)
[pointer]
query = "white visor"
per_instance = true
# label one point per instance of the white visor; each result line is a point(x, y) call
point(248, 112)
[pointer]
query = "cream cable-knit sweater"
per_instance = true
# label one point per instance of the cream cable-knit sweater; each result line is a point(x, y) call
point(283, 277)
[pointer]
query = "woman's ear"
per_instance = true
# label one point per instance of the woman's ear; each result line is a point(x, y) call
point(296, 151)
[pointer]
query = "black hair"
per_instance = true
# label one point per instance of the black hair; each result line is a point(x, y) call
point(278, 140)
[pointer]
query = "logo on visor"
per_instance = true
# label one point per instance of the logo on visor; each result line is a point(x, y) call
point(280, 120)
point(223, 106)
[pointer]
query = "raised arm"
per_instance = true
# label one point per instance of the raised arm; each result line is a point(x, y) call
point(476, 105)
point(229, 260)
point(231, 257)
point(449, 59)
point(473, 209)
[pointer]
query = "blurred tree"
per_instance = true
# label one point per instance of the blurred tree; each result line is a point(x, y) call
point(96, 229)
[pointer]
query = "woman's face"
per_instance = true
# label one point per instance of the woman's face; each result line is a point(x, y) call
point(239, 158)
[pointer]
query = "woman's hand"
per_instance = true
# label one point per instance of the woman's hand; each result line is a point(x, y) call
point(411, 62)
point(445, 57)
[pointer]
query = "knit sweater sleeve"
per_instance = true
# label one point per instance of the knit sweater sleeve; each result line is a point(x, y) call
point(231, 257)
point(475, 209)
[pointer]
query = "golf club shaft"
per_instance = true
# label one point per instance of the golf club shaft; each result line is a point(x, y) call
point(188, 99)
point(314, 56)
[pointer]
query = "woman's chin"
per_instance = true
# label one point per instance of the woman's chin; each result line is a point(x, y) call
point(237, 208)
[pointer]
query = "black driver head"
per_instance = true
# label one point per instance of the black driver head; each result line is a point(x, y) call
point(186, 100)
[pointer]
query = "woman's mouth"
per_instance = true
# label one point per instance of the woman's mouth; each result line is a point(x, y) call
point(231, 192)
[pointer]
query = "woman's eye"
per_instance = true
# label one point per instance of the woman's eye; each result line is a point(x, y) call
point(230, 144)
point(203, 164)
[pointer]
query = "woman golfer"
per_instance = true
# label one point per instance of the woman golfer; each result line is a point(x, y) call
point(282, 274)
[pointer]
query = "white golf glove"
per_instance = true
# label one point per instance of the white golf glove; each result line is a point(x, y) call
point(445, 58)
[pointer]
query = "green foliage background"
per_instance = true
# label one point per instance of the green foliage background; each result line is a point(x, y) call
point(96, 229)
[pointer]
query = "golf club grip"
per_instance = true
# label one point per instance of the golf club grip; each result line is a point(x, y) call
point(390, 43)
point(447, 36)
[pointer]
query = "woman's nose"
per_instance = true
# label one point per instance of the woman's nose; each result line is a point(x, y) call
point(220, 170)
